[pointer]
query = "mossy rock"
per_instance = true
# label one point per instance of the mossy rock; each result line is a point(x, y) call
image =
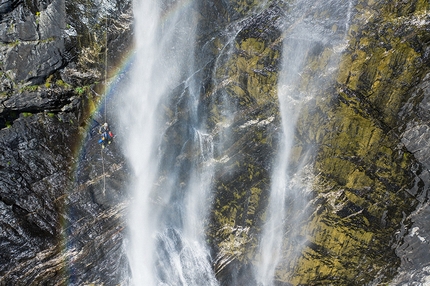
point(364, 173)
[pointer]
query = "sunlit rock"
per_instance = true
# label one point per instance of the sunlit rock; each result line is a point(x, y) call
point(359, 153)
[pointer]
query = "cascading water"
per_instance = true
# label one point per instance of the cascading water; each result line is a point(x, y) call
point(170, 154)
point(307, 32)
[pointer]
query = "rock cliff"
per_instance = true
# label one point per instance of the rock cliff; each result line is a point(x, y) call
point(361, 143)
point(365, 137)
point(55, 221)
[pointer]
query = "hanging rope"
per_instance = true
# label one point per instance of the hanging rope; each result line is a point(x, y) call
point(105, 100)
point(104, 174)
point(106, 63)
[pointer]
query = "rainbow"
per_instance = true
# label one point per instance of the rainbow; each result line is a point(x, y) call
point(127, 58)
point(109, 90)
point(80, 150)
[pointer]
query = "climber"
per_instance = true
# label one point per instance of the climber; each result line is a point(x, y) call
point(106, 135)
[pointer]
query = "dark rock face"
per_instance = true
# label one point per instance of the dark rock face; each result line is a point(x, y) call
point(46, 58)
point(54, 223)
point(413, 247)
point(35, 41)
point(32, 180)
point(60, 209)
point(36, 156)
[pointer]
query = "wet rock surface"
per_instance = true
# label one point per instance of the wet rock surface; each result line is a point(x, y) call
point(34, 174)
point(366, 139)
point(63, 198)
point(61, 208)
point(55, 219)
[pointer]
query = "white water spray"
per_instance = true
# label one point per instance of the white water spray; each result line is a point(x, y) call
point(306, 35)
point(169, 192)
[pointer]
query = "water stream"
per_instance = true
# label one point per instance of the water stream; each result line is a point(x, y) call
point(169, 191)
point(311, 29)
point(172, 154)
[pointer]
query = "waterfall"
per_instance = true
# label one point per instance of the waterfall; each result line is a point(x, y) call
point(169, 152)
point(311, 28)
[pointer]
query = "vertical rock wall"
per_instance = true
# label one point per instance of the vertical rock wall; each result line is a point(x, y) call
point(367, 134)
point(54, 222)
point(369, 181)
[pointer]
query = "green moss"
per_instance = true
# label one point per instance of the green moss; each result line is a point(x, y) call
point(48, 81)
point(47, 40)
point(422, 6)
point(80, 90)
point(247, 78)
point(244, 6)
point(3, 94)
point(362, 171)
point(62, 84)
point(31, 88)
point(252, 46)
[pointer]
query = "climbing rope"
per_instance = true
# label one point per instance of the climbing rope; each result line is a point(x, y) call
point(106, 63)
point(104, 174)
point(105, 100)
